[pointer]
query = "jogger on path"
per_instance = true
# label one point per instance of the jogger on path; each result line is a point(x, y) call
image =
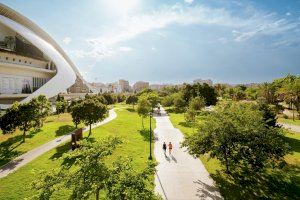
point(170, 148)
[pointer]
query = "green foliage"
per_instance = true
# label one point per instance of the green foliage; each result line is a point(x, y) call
point(143, 108)
point(126, 183)
point(110, 98)
point(91, 111)
point(168, 101)
point(152, 97)
point(88, 175)
point(75, 109)
point(179, 103)
point(61, 106)
point(42, 108)
point(132, 99)
point(236, 134)
point(269, 116)
point(204, 90)
point(25, 116)
point(197, 103)
point(190, 115)
point(120, 98)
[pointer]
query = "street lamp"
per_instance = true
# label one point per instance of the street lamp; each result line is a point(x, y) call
point(150, 154)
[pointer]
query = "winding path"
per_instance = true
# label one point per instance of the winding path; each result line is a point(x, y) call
point(291, 127)
point(34, 153)
point(180, 175)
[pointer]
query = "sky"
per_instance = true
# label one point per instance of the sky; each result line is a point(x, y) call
point(173, 41)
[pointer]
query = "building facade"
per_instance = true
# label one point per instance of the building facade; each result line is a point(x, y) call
point(140, 85)
point(31, 62)
point(124, 85)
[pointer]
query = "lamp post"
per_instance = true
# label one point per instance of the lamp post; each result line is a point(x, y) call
point(150, 154)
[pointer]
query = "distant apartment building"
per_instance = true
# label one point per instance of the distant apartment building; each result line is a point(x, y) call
point(201, 81)
point(124, 85)
point(140, 85)
point(158, 87)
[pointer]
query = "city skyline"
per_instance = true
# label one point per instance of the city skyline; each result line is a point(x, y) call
point(178, 41)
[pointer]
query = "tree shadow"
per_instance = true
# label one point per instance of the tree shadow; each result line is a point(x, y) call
point(146, 134)
point(186, 124)
point(62, 130)
point(294, 143)
point(205, 191)
point(32, 133)
point(130, 109)
point(273, 184)
point(7, 149)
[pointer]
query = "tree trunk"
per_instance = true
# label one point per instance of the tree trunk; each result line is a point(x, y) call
point(24, 135)
point(97, 193)
point(143, 122)
point(90, 132)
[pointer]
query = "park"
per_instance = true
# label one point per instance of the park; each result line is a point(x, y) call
point(213, 113)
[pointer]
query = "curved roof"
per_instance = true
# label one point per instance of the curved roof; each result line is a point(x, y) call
point(17, 17)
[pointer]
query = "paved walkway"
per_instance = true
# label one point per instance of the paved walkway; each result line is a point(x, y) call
point(291, 127)
point(31, 155)
point(179, 176)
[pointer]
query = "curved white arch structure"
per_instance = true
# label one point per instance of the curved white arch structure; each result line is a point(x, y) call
point(65, 76)
point(66, 70)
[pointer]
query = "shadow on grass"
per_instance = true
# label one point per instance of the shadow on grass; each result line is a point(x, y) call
point(130, 109)
point(7, 148)
point(186, 124)
point(294, 143)
point(146, 134)
point(274, 184)
point(62, 130)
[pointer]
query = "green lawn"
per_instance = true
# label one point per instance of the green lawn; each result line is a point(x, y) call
point(271, 185)
point(127, 125)
point(289, 121)
point(11, 145)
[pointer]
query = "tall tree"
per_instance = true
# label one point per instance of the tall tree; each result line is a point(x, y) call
point(143, 109)
point(42, 108)
point(26, 118)
point(237, 135)
point(132, 99)
point(89, 173)
point(92, 112)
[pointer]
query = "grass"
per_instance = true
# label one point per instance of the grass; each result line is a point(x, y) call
point(280, 184)
point(289, 121)
point(11, 145)
point(127, 125)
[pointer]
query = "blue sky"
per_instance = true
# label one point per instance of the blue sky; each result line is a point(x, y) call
point(173, 41)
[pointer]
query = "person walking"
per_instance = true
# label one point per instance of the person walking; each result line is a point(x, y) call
point(170, 148)
point(165, 148)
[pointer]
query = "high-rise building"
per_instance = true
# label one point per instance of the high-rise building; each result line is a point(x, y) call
point(31, 62)
point(124, 85)
point(158, 87)
point(140, 85)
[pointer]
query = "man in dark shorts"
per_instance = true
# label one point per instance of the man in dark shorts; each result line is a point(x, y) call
point(164, 148)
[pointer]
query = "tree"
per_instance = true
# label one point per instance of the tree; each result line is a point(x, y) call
point(236, 134)
point(110, 98)
point(143, 109)
point(8, 122)
point(190, 116)
point(88, 175)
point(75, 110)
point(92, 111)
point(26, 118)
point(197, 103)
point(126, 183)
point(153, 99)
point(168, 101)
point(179, 103)
point(61, 107)
point(42, 108)
point(269, 116)
point(132, 99)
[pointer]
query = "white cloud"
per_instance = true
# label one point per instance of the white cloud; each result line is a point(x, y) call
point(67, 40)
point(126, 49)
point(153, 48)
point(288, 14)
point(253, 24)
point(189, 1)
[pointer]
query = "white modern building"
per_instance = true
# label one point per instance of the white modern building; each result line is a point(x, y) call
point(31, 62)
